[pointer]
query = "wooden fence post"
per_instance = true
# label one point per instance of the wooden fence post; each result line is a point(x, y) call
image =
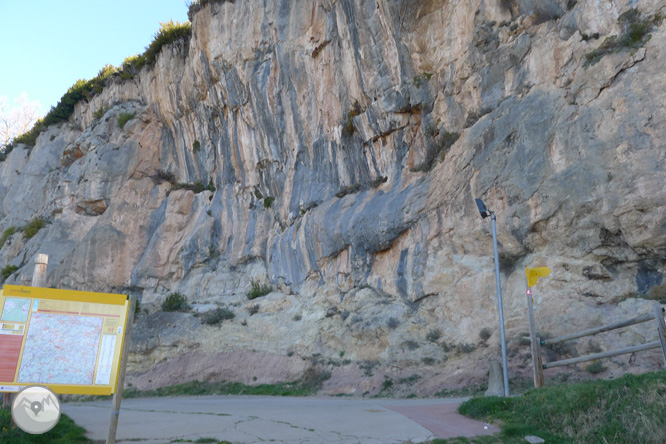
point(118, 396)
point(661, 328)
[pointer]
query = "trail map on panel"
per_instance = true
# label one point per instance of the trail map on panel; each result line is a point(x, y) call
point(16, 309)
point(60, 349)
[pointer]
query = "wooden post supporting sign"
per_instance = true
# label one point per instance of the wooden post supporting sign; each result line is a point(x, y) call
point(531, 276)
point(118, 396)
point(38, 280)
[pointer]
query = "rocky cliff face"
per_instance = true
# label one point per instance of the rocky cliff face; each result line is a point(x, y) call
point(339, 146)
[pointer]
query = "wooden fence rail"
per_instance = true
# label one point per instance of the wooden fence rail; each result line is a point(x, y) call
point(657, 316)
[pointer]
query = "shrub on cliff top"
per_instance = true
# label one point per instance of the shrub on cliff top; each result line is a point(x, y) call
point(168, 33)
point(131, 66)
point(85, 89)
point(195, 6)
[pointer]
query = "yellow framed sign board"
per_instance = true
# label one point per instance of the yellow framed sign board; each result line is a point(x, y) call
point(69, 341)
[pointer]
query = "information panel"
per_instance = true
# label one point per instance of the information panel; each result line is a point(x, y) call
point(69, 341)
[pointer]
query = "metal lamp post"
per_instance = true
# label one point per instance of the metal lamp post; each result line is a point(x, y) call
point(485, 213)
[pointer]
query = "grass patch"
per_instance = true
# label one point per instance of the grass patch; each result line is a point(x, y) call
point(123, 118)
point(309, 384)
point(258, 290)
point(65, 432)
point(175, 302)
point(268, 201)
point(628, 409)
point(33, 227)
point(6, 235)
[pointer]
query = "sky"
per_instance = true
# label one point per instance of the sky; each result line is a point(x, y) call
point(47, 45)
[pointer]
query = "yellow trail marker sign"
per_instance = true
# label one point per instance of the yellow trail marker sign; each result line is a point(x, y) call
point(534, 273)
point(69, 341)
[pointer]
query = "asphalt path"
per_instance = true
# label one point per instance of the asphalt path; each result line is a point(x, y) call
point(256, 419)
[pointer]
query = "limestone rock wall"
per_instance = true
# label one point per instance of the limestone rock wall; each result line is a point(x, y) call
point(341, 145)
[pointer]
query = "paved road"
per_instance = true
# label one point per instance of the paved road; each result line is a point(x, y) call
point(254, 419)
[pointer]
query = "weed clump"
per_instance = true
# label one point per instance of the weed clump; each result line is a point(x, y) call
point(33, 227)
point(348, 128)
point(8, 271)
point(216, 316)
point(422, 79)
point(123, 118)
point(434, 335)
point(197, 188)
point(253, 309)
point(635, 33)
point(99, 112)
point(595, 367)
point(175, 302)
point(258, 290)
point(6, 235)
point(485, 334)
